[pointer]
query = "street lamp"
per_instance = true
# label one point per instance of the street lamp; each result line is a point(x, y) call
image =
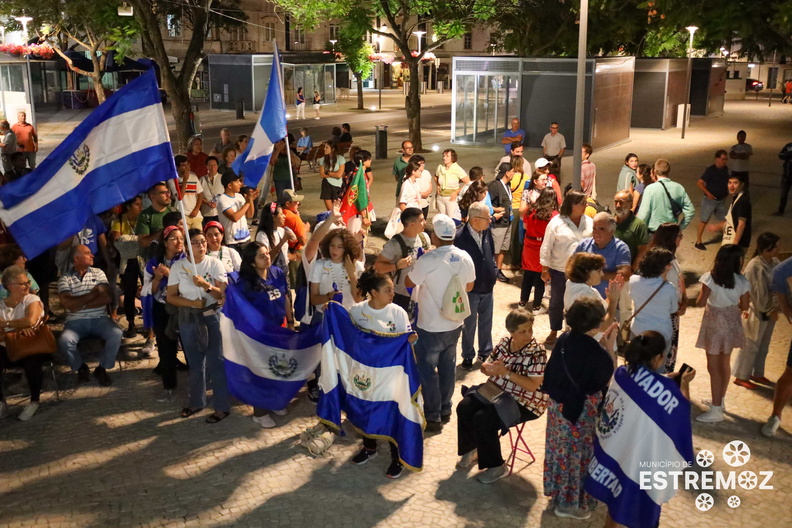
point(692, 30)
point(333, 42)
point(419, 34)
point(492, 47)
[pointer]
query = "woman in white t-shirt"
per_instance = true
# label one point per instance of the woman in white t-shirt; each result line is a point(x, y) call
point(411, 188)
point(275, 236)
point(585, 270)
point(334, 277)
point(380, 315)
point(727, 294)
point(18, 313)
point(214, 233)
point(198, 291)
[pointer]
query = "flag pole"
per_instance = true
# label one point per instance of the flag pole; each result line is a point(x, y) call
point(283, 91)
point(186, 231)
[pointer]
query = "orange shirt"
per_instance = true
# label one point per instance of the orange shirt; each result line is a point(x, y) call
point(296, 224)
point(27, 139)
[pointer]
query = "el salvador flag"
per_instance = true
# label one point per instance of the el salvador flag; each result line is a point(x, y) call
point(266, 365)
point(270, 129)
point(121, 149)
point(374, 380)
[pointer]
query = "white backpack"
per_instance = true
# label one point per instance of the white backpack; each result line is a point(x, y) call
point(456, 306)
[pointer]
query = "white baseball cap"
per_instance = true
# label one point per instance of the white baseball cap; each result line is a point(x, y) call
point(444, 227)
point(541, 162)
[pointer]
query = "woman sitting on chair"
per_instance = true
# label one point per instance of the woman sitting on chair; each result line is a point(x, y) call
point(20, 311)
point(510, 396)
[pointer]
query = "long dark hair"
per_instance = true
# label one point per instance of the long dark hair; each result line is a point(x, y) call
point(247, 269)
point(544, 205)
point(267, 222)
point(471, 194)
point(645, 347)
point(572, 198)
point(728, 262)
point(411, 167)
point(666, 236)
point(329, 160)
point(764, 242)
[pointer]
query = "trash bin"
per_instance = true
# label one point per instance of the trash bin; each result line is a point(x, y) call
point(381, 142)
point(240, 109)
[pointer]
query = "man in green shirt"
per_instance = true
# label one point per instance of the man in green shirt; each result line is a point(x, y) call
point(400, 165)
point(655, 206)
point(149, 224)
point(629, 228)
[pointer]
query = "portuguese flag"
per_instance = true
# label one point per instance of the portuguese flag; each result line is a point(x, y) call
point(356, 198)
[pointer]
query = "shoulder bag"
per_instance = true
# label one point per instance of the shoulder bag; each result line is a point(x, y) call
point(19, 346)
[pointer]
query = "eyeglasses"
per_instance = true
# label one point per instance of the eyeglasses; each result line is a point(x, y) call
point(164, 192)
point(195, 242)
point(21, 283)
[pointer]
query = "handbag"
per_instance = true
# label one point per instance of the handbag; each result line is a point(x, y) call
point(625, 330)
point(20, 346)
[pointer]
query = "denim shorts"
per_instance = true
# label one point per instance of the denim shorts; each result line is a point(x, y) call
point(713, 207)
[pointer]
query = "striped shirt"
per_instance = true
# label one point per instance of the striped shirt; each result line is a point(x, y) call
point(530, 361)
point(74, 285)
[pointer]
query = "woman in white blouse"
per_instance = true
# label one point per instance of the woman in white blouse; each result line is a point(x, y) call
point(564, 233)
point(585, 270)
point(334, 277)
point(411, 188)
point(214, 233)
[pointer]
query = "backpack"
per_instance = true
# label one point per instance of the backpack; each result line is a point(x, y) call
point(456, 306)
point(425, 244)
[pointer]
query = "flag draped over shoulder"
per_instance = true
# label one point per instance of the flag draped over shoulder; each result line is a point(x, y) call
point(121, 149)
point(270, 129)
point(356, 198)
point(374, 380)
point(644, 419)
point(266, 365)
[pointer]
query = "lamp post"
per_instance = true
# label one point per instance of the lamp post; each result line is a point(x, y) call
point(692, 30)
point(333, 42)
point(419, 34)
point(580, 95)
point(24, 20)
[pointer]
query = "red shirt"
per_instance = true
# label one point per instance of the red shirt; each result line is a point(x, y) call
point(296, 224)
point(198, 163)
point(27, 140)
point(534, 234)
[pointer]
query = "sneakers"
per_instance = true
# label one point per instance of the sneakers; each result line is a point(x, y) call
point(571, 513)
point(394, 470)
point(364, 456)
point(265, 421)
point(28, 412)
point(101, 376)
point(165, 396)
point(467, 364)
point(282, 412)
point(84, 374)
point(700, 246)
point(501, 277)
point(493, 474)
point(715, 414)
point(313, 393)
point(467, 459)
point(433, 427)
point(148, 348)
point(540, 310)
point(708, 403)
point(744, 383)
point(771, 427)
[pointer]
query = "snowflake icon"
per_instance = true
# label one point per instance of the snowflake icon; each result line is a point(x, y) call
point(734, 501)
point(747, 480)
point(736, 453)
point(705, 458)
point(704, 502)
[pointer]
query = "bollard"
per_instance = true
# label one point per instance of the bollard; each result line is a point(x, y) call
point(240, 109)
point(381, 141)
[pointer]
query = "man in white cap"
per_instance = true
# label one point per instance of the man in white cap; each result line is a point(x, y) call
point(435, 349)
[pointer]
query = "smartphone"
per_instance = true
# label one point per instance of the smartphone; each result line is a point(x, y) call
point(682, 370)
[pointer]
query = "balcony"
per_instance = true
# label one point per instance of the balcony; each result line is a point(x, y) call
point(239, 46)
point(301, 46)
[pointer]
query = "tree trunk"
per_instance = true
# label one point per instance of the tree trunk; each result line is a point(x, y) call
point(96, 77)
point(180, 109)
point(413, 106)
point(359, 77)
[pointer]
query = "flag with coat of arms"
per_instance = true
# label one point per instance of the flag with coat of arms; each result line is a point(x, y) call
point(356, 199)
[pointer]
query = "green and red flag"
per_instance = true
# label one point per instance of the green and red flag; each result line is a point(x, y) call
point(356, 198)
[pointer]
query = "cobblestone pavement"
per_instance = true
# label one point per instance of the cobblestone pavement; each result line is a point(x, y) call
point(115, 457)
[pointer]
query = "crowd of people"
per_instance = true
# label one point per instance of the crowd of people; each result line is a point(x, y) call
point(603, 270)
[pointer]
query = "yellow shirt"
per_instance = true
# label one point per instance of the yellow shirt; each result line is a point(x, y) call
point(123, 226)
point(449, 178)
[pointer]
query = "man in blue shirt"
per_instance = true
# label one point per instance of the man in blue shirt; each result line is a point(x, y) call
point(515, 133)
point(783, 389)
point(616, 253)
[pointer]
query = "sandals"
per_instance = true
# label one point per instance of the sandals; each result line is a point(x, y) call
point(217, 417)
point(187, 412)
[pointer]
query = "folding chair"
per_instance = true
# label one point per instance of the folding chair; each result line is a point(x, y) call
point(518, 444)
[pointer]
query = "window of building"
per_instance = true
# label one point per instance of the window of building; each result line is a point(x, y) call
point(335, 32)
point(299, 35)
point(269, 31)
point(174, 26)
point(468, 41)
point(237, 33)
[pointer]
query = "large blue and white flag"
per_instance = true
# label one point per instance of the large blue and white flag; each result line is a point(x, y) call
point(270, 129)
point(374, 380)
point(266, 365)
point(644, 426)
point(121, 149)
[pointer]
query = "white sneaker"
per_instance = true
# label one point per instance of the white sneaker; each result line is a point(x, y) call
point(708, 403)
point(467, 459)
point(148, 349)
point(571, 513)
point(265, 421)
point(28, 412)
point(493, 474)
point(715, 414)
point(282, 412)
point(771, 427)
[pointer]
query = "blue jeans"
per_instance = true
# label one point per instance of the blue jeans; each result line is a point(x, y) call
point(201, 356)
point(481, 310)
point(101, 327)
point(436, 355)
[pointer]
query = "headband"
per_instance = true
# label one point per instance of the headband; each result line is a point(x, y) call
point(213, 223)
point(170, 229)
